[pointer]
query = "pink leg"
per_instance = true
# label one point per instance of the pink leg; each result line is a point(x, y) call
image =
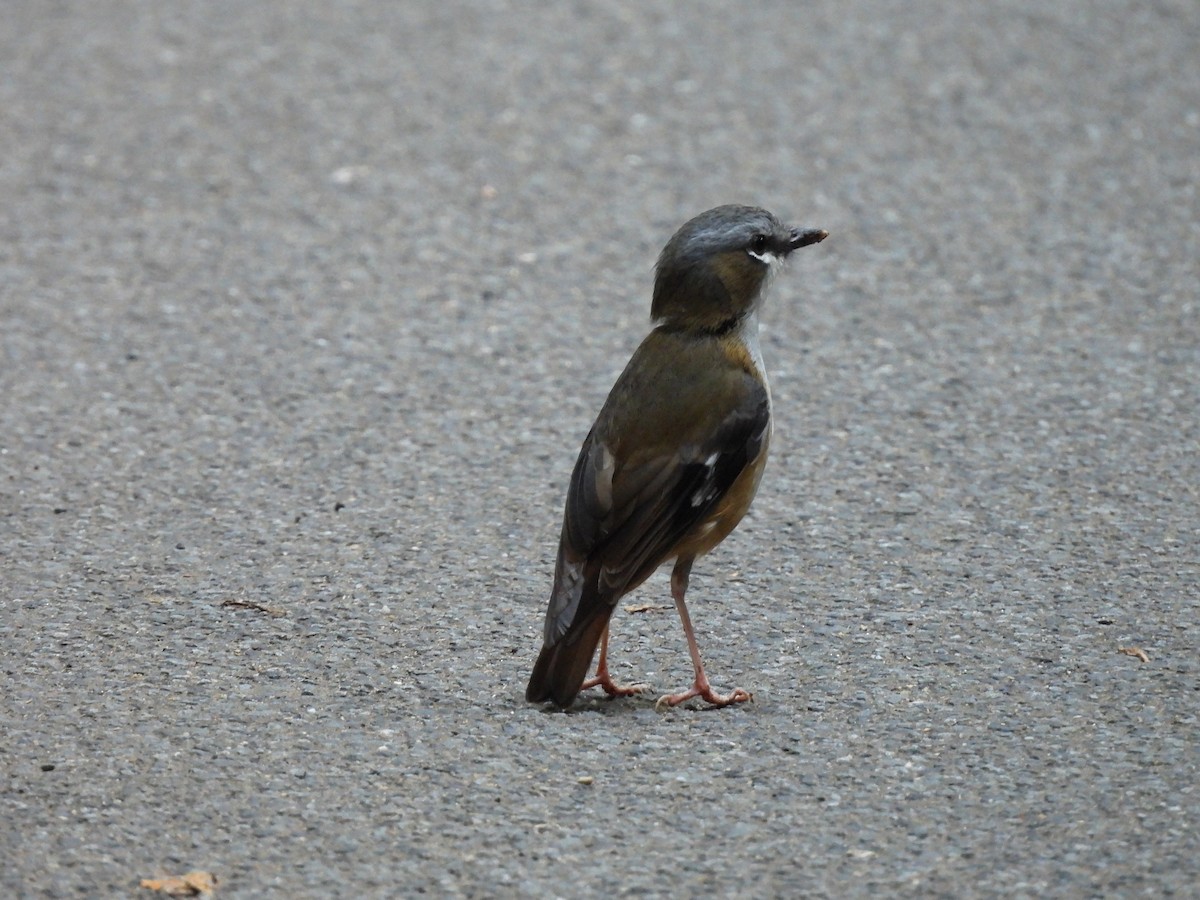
point(700, 687)
point(604, 680)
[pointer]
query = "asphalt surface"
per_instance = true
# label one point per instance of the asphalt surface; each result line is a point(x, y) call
point(306, 311)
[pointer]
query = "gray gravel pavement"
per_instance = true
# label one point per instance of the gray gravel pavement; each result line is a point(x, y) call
point(305, 310)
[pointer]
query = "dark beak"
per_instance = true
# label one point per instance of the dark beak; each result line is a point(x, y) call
point(802, 238)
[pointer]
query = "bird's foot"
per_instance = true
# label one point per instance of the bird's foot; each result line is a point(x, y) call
point(706, 693)
point(604, 681)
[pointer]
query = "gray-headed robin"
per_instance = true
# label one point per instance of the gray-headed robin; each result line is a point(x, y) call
point(674, 458)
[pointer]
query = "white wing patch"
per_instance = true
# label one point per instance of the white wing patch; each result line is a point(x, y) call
point(707, 491)
point(605, 465)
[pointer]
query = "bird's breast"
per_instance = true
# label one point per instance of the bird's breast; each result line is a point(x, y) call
point(730, 509)
point(743, 347)
point(740, 347)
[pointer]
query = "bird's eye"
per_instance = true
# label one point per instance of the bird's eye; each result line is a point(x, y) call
point(759, 244)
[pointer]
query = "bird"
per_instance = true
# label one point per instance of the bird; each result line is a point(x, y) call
point(675, 456)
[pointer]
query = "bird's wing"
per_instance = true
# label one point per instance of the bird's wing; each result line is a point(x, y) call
point(623, 519)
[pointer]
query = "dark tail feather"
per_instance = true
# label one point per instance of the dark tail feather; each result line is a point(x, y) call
point(560, 670)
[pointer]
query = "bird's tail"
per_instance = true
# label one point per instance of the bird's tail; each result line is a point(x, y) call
point(561, 668)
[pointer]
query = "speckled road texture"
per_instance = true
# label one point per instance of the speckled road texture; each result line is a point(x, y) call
point(306, 311)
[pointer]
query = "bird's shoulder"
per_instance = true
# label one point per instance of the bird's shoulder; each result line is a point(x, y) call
point(677, 395)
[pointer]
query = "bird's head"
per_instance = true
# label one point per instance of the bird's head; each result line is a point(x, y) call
point(714, 269)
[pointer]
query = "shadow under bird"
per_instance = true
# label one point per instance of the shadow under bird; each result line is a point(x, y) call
point(675, 456)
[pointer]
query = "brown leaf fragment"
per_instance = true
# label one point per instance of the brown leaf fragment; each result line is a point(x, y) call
point(250, 604)
point(193, 884)
point(1136, 652)
point(643, 607)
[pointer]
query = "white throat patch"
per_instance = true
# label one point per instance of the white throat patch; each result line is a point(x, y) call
point(768, 257)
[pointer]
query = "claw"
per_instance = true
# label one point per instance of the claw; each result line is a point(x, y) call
point(602, 678)
point(705, 693)
point(610, 687)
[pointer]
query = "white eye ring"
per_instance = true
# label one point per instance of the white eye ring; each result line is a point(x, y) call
point(766, 257)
